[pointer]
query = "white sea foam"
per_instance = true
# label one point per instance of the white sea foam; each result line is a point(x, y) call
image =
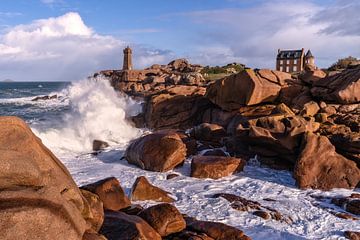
point(97, 112)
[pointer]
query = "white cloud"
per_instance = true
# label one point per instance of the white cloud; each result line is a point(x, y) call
point(254, 34)
point(64, 48)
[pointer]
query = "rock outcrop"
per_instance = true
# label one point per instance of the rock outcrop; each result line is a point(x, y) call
point(142, 190)
point(248, 87)
point(110, 193)
point(343, 88)
point(164, 218)
point(320, 167)
point(120, 226)
point(160, 151)
point(177, 107)
point(215, 167)
point(37, 191)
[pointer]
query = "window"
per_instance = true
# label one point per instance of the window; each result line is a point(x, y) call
point(287, 61)
point(295, 61)
point(281, 61)
point(287, 68)
point(281, 68)
point(295, 68)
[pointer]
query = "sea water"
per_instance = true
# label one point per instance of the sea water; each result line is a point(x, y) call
point(90, 109)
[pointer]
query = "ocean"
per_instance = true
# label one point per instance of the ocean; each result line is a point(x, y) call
point(90, 109)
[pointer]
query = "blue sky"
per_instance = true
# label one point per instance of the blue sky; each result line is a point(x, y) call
point(210, 32)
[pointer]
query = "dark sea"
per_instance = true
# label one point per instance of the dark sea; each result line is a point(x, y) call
point(16, 99)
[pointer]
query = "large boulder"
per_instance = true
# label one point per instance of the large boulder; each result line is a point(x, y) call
point(159, 151)
point(164, 218)
point(110, 193)
point(218, 231)
point(177, 107)
point(142, 190)
point(37, 191)
point(215, 166)
point(341, 88)
point(120, 226)
point(248, 87)
point(320, 167)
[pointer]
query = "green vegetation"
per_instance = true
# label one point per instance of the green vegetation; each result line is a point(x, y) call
point(217, 72)
point(343, 63)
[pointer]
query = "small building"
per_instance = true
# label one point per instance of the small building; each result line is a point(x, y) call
point(291, 61)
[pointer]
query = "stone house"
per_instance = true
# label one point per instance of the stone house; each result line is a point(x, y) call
point(291, 61)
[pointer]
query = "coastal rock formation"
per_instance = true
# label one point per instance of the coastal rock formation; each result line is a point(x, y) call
point(120, 226)
point(312, 74)
point(208, 132)
point(37, 191)
point(142, 190)
point(320, 167)
point(164, 218)
point(160, 151)
point(343, 88)
point(176, 107)
point(217, 230)
point(96, 208)
point(99, 145)
point(248, 87)
point(215, 167)
point(110, 193)
point(155, 78)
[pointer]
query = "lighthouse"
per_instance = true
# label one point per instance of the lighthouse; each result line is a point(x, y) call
point(127, 59)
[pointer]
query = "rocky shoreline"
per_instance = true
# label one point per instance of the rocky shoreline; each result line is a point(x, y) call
point(306, 124)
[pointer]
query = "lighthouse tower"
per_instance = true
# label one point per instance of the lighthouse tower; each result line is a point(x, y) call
point(127, 59)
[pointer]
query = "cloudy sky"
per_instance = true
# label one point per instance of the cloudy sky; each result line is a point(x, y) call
point(68, 40)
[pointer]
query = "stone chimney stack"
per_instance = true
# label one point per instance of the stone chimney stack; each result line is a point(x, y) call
point(127, 59)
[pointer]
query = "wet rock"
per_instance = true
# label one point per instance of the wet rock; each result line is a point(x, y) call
point(263, 214)
point(99, 145)
point(215, 152)
point(120, 226)
point(37, 191)
point(320, 167)
point(352, 235)
point(110, 193)
point(159, 151)
point(217, 230)
point(171, 176)
point(215, 167)
point(346, 216)
point(44, 98)
point(243, 204)
point(353, 206)
point(142, 190)
point(164, 218)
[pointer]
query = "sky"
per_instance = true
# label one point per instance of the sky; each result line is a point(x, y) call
point(68, 40)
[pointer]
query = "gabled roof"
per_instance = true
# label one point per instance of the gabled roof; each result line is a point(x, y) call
point(309, 54)
point(289, 54)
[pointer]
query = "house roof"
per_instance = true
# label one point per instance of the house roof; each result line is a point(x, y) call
point(309, 54)
point(289, 54)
